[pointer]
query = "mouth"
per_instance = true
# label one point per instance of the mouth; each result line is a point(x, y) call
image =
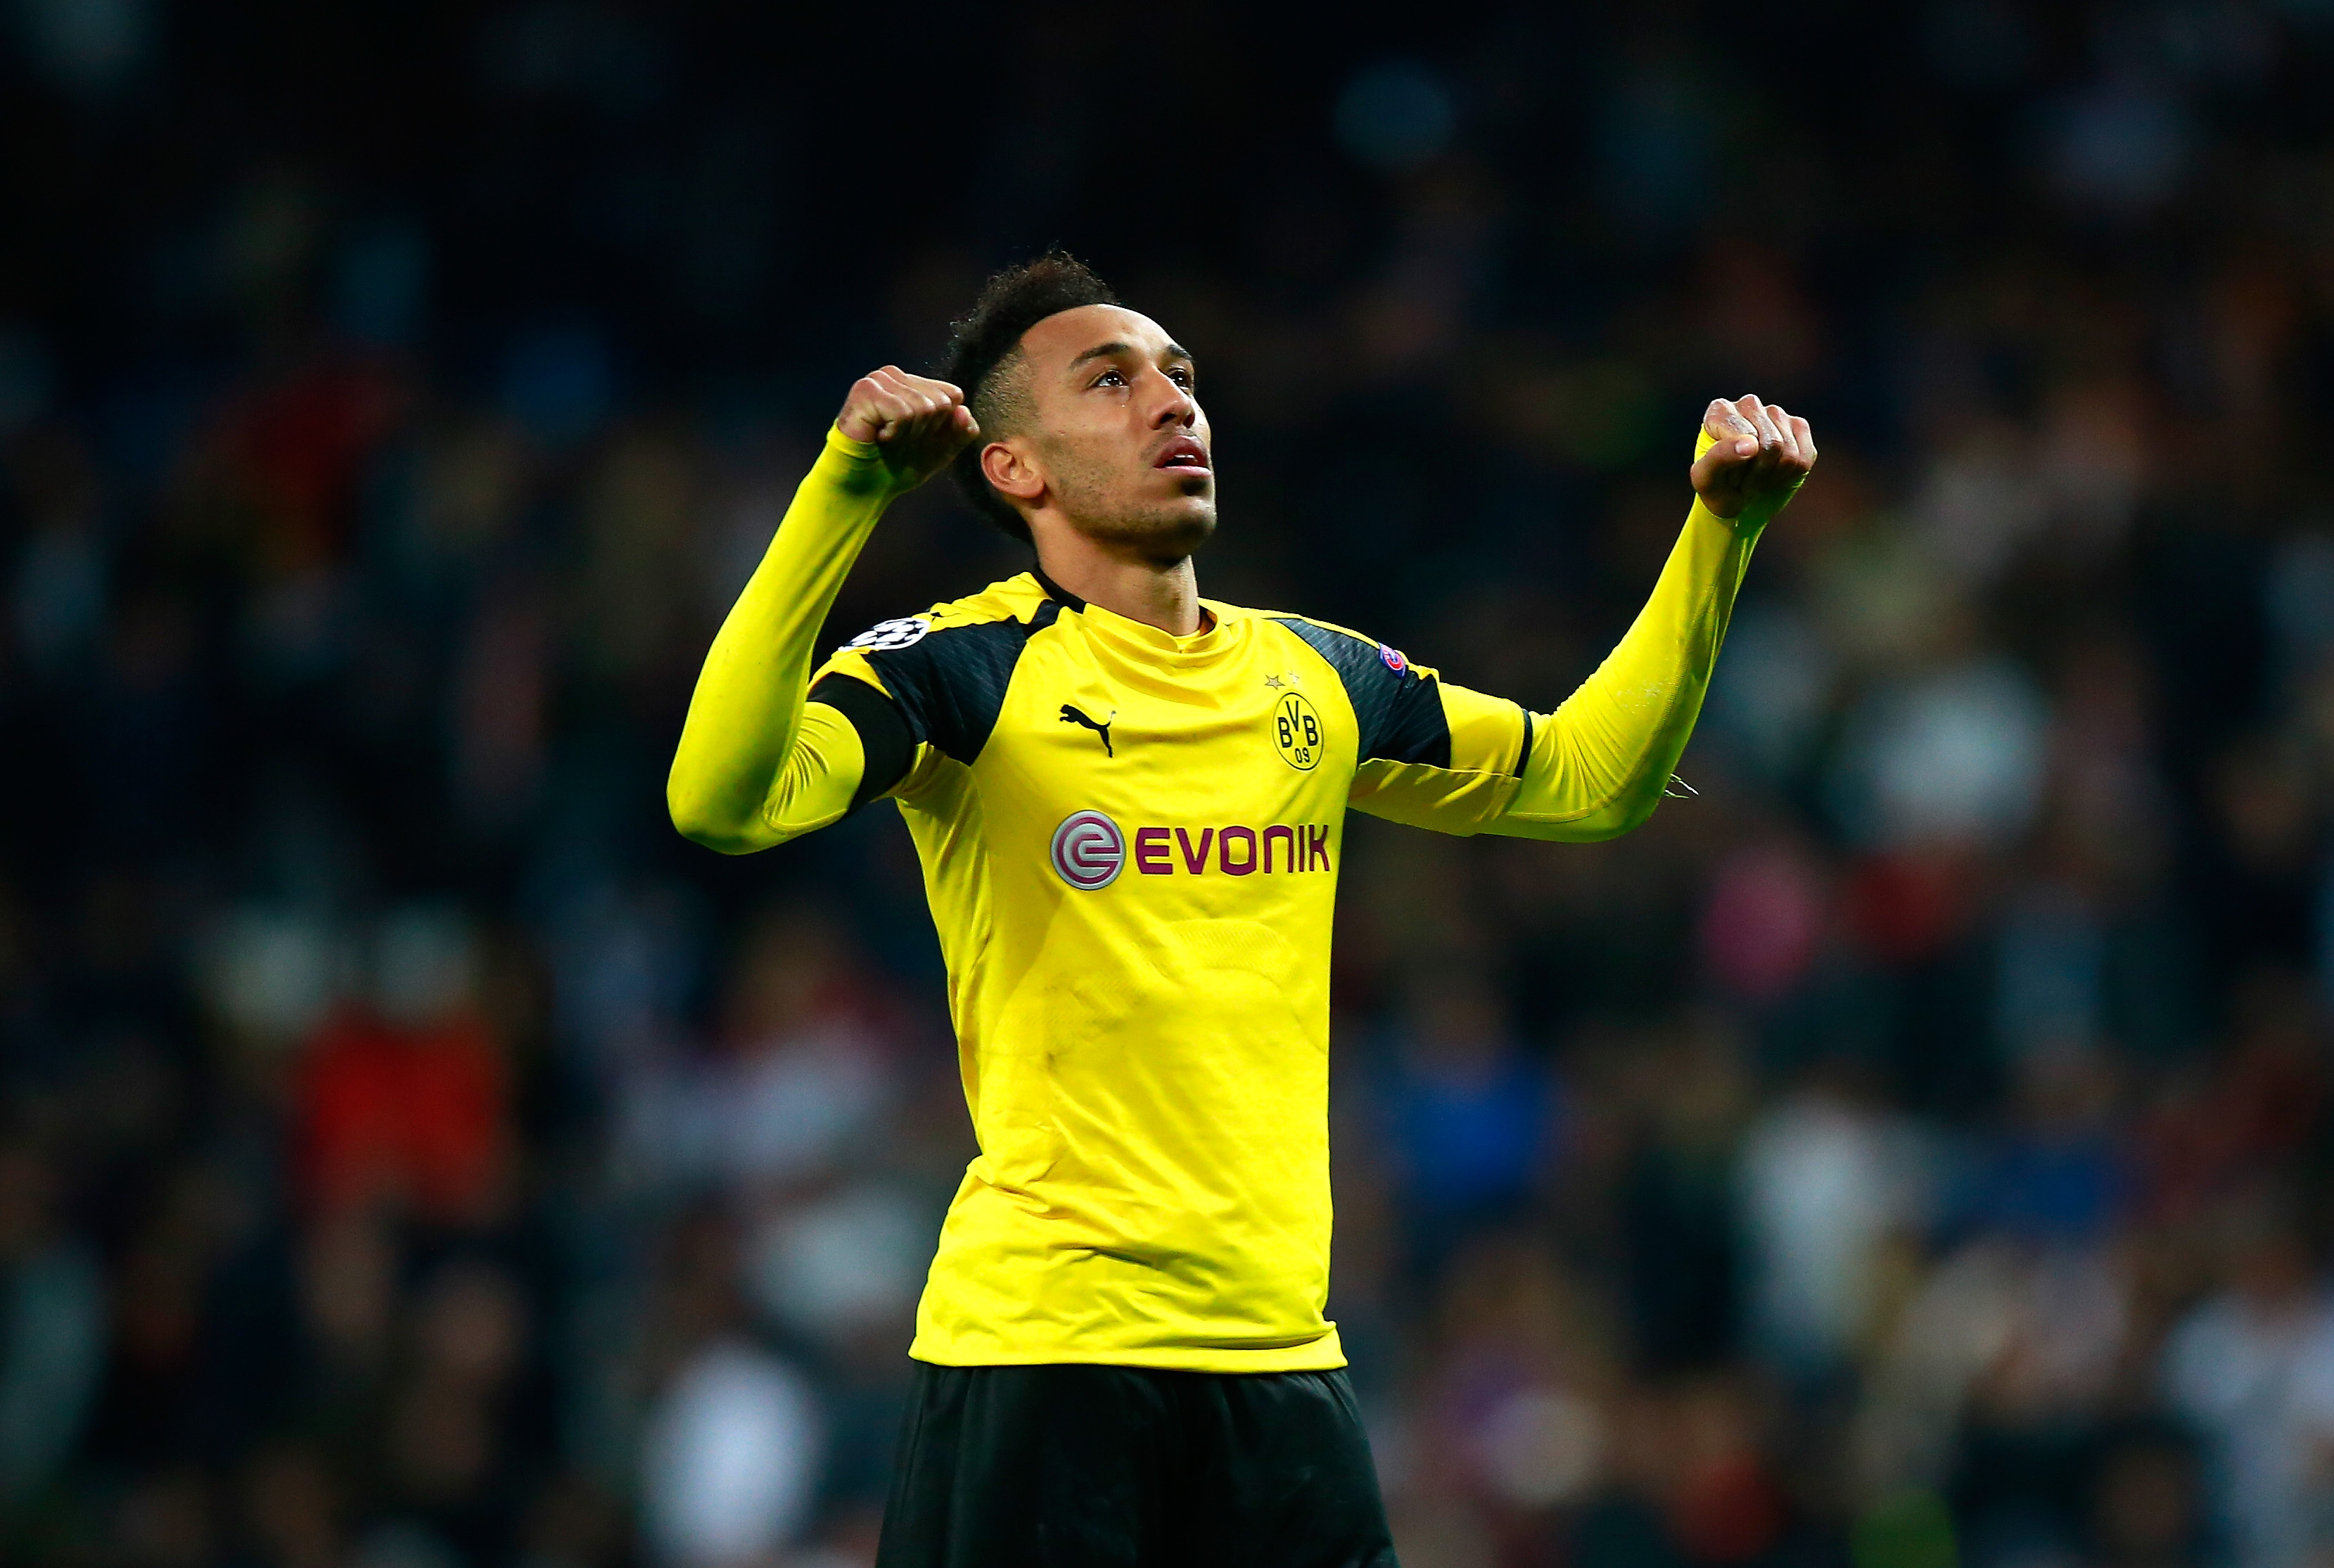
point(1184, 454)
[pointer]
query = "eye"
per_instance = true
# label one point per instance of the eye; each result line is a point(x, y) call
point(1181, 376)
point(1110, 379)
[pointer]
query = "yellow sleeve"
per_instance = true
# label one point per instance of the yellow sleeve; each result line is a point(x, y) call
point(756, 764)
point(1597, 766)
point(1460, 787)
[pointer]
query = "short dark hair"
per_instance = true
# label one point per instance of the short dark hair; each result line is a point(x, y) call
point(988, 337)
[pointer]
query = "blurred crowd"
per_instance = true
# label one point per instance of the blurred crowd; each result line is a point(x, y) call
point(1915, 1147)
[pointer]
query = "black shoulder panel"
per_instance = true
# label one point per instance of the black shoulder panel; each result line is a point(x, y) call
point(949, 685)
point(883, 737)
point(1400, 710)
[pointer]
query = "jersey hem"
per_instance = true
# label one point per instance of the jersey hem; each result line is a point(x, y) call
point(1323, 1355)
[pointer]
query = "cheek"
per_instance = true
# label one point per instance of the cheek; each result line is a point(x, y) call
point(1090, 463)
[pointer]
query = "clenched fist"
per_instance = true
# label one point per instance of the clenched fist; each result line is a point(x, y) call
point(1757, 459)
point(919, 423)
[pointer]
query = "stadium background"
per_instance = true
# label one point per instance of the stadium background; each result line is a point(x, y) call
point(1914, 1149)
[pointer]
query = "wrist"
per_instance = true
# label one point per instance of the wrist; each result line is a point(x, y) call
point(855, 433)
point(840, 440)
point(1745, 524)
point(859, 465)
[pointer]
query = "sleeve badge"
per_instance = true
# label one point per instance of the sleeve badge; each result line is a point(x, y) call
point(887, 636)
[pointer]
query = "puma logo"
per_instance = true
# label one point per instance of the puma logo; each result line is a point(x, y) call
point(1073, 715)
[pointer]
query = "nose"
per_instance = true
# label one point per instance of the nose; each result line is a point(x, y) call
point(1175, 407)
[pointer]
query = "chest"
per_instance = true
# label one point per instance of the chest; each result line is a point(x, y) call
point(1257, 732)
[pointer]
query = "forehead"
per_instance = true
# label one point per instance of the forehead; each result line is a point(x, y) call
point(1066, 334)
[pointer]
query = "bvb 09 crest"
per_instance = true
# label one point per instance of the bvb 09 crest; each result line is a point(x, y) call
point(1296, 732)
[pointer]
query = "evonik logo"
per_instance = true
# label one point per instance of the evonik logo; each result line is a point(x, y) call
point(1238, 852)
point(1089, 850)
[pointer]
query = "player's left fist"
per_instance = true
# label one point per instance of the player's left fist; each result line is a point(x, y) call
point(1754, 457)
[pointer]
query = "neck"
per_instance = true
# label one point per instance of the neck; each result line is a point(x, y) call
point(1164, 594)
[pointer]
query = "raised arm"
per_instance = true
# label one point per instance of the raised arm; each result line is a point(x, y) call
point(1597, 766)
point(756, 765)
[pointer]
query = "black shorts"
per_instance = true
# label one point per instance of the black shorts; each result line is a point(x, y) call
point(1087, 1467)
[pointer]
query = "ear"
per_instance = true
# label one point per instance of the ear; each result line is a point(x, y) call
point(1012, 469)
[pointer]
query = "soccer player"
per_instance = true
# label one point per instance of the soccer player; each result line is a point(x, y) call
point(1129, 803)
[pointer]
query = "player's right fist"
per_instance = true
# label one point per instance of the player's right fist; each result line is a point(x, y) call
point(919, 423)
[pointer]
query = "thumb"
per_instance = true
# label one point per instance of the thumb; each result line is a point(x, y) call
point(1724, 441)
point(1722, 422)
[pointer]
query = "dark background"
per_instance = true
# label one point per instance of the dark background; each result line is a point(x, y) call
point(1911, 1150)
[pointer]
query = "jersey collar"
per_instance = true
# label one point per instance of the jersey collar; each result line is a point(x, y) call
point(1055, 591)
point(1209, 619)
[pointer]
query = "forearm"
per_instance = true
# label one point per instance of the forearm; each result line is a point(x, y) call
point(737, 782)
point(1599, 764)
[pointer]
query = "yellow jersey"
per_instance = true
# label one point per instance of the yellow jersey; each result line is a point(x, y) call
point(1130, 842)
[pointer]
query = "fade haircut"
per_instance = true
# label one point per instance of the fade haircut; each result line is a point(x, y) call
point(984, 355)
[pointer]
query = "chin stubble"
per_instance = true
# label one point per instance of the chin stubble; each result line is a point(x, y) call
point(1165, 535)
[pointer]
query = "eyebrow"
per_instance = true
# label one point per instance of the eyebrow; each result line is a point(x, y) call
point(1104, 351)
